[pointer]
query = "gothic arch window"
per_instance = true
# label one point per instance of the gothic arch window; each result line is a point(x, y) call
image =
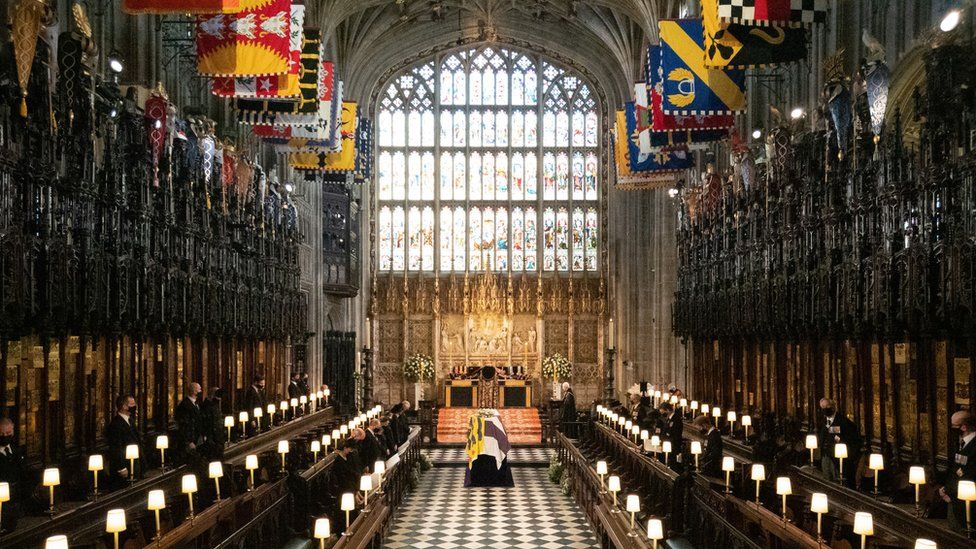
point(487, 159)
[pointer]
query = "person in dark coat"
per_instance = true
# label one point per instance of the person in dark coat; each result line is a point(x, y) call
point(836, 428)
point(962, 466)
point(121, 433)
point(567, 413)
point(255, 396)
point(395, 412)
point(212, 424)
point(710, 462)
point(188, 420)
point(304, 384)
point(295, 386)
point(373, 448)
point(403, 423)
point(387, 438)
point(343, 479)
point(672, 425)
point(15, 472)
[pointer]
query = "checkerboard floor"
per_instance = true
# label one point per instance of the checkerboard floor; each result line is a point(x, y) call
point(518, 455)
point(442, 514)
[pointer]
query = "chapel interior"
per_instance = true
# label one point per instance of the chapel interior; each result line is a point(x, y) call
point(438, 274)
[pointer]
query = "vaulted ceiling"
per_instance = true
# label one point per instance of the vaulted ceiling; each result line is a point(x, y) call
point(603, 38)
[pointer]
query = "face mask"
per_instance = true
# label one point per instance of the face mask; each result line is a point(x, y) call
point(5, 440)
point(828, 412)
point(132, 410)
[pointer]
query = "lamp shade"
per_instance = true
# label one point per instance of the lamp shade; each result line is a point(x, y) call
point(318, 395)
point(683, 402)
point(228, 421)
point(613, 483)
point(666, 446)
point(655, 529)
point(863, 524)
point(343, 430)
point(730, 416)
point(326, 440)
point(655, 441)
point(59, 541)
point(966, 490)
point(694, 404)
point(189, 484)
point(628, 424)
point(728, 464)
point(876, 462)
point(303, 399)
point(818, 503)
point(96, 462)
point(379, 466)
point(811, 442)
point(840, 450)
point(621, 420)
point(783, 486)
point(633, 503)
point(644, 435)
point(156, 500)
point(162, 442)
point(696, 448)
point(634, 430)
point(365, 483)
point(283, 405)
point(921, 543)
point(272, 409)
point(115, 521)
point(258, 413)
point(4, 492)
point(916, 474)
point(336, 435)
point(52, 477)
point(293, 402)
point(348, 502)
point(242, 417)
point(716, 412)
point(216, 469)
point(132, 451)
point(601, 467)
point(758, 471)
point(250, 462)
point(705, 409)
point(674, 399)
point(746, 421)
point(315, 446)
point(283, 446)
point(322, 529)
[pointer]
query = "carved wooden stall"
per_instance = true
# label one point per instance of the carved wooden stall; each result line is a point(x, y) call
point(488, 319)
point(845, 267)
point(132, 259)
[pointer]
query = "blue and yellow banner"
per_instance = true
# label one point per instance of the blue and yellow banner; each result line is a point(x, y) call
point(631, 160)
point(688, 86)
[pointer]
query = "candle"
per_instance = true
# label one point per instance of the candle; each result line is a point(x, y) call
point(115, 523)
point(216, 470)
point(155, 503)
point(189, 487)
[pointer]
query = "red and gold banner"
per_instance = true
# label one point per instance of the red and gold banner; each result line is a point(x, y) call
point(183, 6)
point(254, 42)
point(270, 86)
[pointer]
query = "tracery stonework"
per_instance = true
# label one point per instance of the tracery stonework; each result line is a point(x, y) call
point(488, 320)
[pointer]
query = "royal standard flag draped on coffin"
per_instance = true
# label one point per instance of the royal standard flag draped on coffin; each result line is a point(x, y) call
point(661, 122)
point(688, 86)
point(253, 42)
point(730, 45)
point(275, 85)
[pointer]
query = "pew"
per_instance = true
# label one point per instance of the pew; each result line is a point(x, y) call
point(86, 521)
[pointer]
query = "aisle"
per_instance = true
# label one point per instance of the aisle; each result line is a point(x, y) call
point(442, 514)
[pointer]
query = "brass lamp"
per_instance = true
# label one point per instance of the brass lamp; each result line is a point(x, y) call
point(758, 475)
point(189, 487)
point(257, 414)
point(819, 505)
point(717, 414)
point(283, 448)
point(601, 471)
point(322, 531)
point(162, 444)
point(863, 526)
point(613, 486)
point(811, 444)
point(876, 464)
point(916, 476)
point(379, 468)
point(655, 531)
point(155, 503)
point(4, 497)
point(251, 464)
point(229, 423)
point(50, 479)
point(132, 454)
point(365, 485)
point(666, 447)
point(315, 446)
point(784, 488)
point(272, 410)
point(326, 442)
point(115, 524)
point(730, 417)
point(840, 452)
point(746, 423)
point(728, 465)
point(347, 504)
point(696, 450)
point(966, 492)
point(242, 418)
point(216, 471)
point(95, 464)
point(633, 507)
point(59, 541)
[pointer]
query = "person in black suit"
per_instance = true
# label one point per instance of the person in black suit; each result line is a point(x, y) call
point(403, 423)
point(295, 386)
point(962, 466)
point(121, 433)
point(836, 428)
point(15, 472)
point(387, 438)
point(255, 396)
point(212, 424)
point(567, 413)
point(304, 384)
point(395, 412)
point(345, 473)
point(710, 463)
point(188, 420)
point(373, 447)
point(673, 426)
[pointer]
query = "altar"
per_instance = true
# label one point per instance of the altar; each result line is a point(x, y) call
point(488, 387)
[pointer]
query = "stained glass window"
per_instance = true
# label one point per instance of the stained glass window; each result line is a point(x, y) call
point(464, 143)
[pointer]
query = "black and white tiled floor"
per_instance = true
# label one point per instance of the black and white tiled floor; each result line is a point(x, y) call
point(442, 514)
point(454, 455)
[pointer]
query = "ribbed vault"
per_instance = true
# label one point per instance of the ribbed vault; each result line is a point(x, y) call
point(604, 38)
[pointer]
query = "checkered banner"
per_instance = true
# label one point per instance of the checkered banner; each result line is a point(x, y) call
point(773, 12)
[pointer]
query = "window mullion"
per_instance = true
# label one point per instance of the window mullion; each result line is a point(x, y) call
point(437, 167)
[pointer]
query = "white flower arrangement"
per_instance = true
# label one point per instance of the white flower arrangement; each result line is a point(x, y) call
point(418, 368)
point(557, 367)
